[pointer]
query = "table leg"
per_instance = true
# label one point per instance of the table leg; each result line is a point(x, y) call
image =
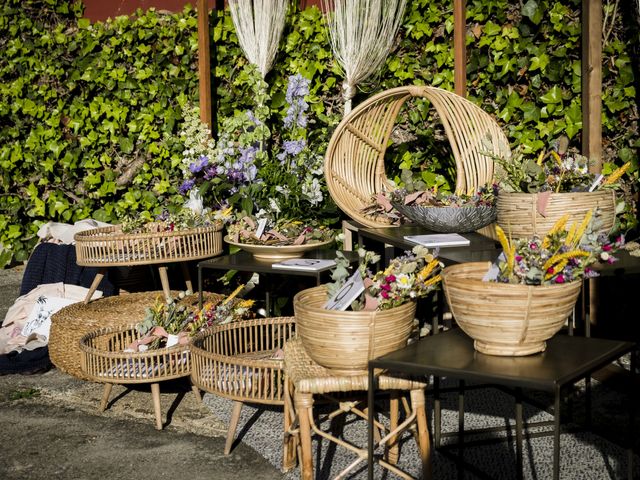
point(587, 399)
point(461, 385)
point(556, 435)
point(155, 393)
point(632, 416)
point(233, 425)
point(199, 287)
point(187, 276)
point(519, 466)
point(164, 280)
point(106, 391)
point(371, 416)
point(94, 285)
point(437, 417)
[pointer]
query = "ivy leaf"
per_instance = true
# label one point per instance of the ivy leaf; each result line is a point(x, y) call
point(554, 95)
point(126, 145)
point(532, 11)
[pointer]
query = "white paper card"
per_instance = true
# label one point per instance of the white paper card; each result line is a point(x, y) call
point(39, 320)
point(262, 223)
point(347, 294)
point(493, 271)
point(439, 240)
point(307, 264)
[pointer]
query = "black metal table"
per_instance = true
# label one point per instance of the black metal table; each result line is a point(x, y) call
point(481, 248)
point(246, 262)
point(566, 360)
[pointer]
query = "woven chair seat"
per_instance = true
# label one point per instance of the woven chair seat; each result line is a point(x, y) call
point(354, 163)
point(309, 377)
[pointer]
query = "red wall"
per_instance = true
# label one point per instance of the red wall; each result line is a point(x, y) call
point(102, 9)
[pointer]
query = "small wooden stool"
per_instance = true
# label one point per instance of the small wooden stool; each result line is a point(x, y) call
point(104, 361)
point(305, 378)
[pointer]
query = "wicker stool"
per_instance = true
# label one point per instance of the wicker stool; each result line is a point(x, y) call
point(354, 163)
point(306, 379)
point(236, 361)
point(105, 361)
point(109, 247)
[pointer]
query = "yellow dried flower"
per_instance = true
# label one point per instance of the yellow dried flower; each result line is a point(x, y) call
point(509, 250)
point(564, 256)
point(233, 294)
point(556, 157)
point(540, 158)
point(570, 235)
point(615, 176)
point(559, 225)
point(583, 228)
point(557, 269)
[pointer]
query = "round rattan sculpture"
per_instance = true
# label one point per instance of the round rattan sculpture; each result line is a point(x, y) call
point(71, 323)
point(345, 341)
point(449, 219)
point(518, 213)
point(505, 319)
point(242, 361)
point(354, 163)
point(108, 246)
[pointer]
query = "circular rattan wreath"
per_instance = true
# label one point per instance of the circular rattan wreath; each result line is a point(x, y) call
point(354, 164)
point(108, 246)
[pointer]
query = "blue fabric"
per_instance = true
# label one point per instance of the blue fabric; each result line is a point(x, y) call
point(53, 263)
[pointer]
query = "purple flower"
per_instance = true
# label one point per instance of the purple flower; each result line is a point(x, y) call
point(187, 185)
point(253, 118)
point(297, 87)
point(199, 164)
point(247, 154)
point(210, 172)
point(294, 147)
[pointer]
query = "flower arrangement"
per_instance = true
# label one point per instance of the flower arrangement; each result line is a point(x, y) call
point(182, 220)
point(171, 322)
point(563, 255)
point(278, 232)
point(408, 277)
point(483, 197)
point(254, 165)
point(555, 170)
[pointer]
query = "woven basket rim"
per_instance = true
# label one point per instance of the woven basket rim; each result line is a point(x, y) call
point(297, 302)
point(124, 355)
point(454, 270)
point(110, 233)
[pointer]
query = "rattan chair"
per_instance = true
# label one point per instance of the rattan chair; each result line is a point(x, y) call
point(354, 163)
point(305, 379)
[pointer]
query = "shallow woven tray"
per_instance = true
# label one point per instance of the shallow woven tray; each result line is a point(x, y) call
point(354, 163)
point(449, 219)
point(108, 246)
point(234, 360)
point(103, 359)
point(71, 323)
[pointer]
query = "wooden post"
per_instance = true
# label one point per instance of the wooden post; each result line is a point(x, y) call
point(592, 83)
point(459, 47)
point(204, 63)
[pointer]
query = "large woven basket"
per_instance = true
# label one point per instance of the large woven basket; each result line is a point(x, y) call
point(237, 361)
point(344, 341)
point(505, 319)
point(108, 246)
point(518, 212)
point(104, 359)
point(354, 163)
point(71, 323)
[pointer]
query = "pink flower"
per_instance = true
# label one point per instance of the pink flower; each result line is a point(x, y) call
point(533, 246)
point(385, 287)
point(560, 279)
point(518, 258)
point(390, 278)
point(607, 248)
point(384, 294)
point(550, 270)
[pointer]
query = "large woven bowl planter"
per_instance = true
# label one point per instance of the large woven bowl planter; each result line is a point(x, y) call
point(354, 163)
point(346, 341)
point(505, 319)
point(518, 212)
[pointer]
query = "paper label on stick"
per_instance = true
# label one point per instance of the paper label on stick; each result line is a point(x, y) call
point(262, 223)
point(347, 294)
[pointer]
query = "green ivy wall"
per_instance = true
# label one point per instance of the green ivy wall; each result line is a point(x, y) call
point(89, 113)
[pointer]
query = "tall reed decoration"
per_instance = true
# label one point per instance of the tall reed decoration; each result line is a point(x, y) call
point(362, 34)
point(259, 25)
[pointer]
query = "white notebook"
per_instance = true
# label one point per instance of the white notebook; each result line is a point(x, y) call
point(307, 264)
point(439, 240)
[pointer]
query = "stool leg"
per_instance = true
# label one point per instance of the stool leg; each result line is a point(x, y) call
point(233, 425)
point(393, 449)
point(197, 393)
point(304, 406)
point(187, 276)
point(94, 285)
point(164, 280)
point(289, 453)
point(424, 444)
point(155, 393)
point(106, 391)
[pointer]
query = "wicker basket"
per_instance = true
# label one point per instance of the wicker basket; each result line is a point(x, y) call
point(518, 212)
point(354, 163)
point(103, 359)
point(346, 341)
point(71, 323)
point(236, 360)
point(108, 246)
point(505, 319)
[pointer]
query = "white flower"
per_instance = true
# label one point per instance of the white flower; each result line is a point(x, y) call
point(195, 203)
point(273, 205)
point(311, 190)
point(404, 281)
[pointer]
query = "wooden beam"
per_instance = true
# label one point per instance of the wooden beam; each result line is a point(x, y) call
point(459, 47)
point(592, 83)
point(204, 63)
